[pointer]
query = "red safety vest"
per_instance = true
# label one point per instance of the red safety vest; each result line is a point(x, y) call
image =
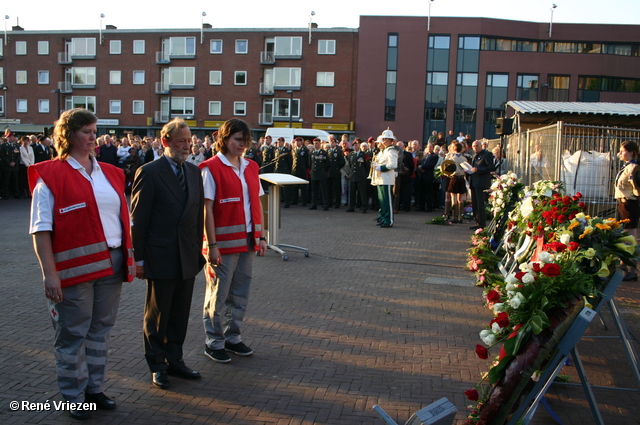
point(228, 208)
point(80, 249)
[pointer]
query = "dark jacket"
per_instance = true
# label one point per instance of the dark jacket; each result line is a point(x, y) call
point(484, 162)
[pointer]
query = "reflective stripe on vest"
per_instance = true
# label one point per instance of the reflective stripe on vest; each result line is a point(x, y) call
point(80, 252)
point(86, 269)
point(231, 229)
point(234, 243)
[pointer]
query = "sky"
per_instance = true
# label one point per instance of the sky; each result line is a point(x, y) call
point(132, 14)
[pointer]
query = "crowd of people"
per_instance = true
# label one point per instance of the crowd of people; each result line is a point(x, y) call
point(196, 204)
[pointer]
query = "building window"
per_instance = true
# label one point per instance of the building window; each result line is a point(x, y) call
point(182, 105)
point(21, 77)
point(83, 47)
point(391, 77)
point(437, 83)
point(21, 105)
point(21, 47)
point(326, 47)
point(286, 77)
point(495, 99)
point(1, 75)
point(558, 88)
point(325, 79)
point(215, 47)
point(115, 77)
point(215, 78)
point(239, 108)
point(324, 110)
point(138, 47)
point(179, 46)
point(242, 47)
point(215, 108)
point(240, 78)
point(527, 87)
point(1, 104)
point(288, 46)
point(43, 106)
point(138, 107)
point(138, 77)
point(85, 102)
point(115, 106)
point(281, 108)
point(115, 47)
point(43, 47)
point(83, 76)
point(179, 76)
point(43, 77)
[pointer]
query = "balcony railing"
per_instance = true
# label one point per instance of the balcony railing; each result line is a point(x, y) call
point(266, 89)
point(162, 58)
point(265, 119)
point(267, 58)
point(65, 87)
point(64, 58)
point(161, 116)
point(162, 87)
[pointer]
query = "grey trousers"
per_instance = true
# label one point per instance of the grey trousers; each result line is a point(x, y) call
point(82, 322)
point(226, 299)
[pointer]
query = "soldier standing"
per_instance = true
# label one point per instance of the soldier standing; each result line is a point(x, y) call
point(360, 163)
point(283, 166)
point(336, 162)
point(301, 164)
point(319, 171)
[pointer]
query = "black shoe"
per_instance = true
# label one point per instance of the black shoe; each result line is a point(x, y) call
point(385, 225)
point(219, 356)
point(160, 379)
point(80, 415)
point(240, 349)
point(377, 219)
point(628, 277)
point(102, 401)
point(180, 369)
point(313, 207)
point(349, 210)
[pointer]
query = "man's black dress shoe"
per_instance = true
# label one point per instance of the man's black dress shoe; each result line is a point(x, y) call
point(80, 415)
point(160, 379)
point(181, 370)
point(102, 401)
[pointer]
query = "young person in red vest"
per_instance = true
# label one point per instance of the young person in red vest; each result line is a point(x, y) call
point(233, 230)
point(80, 228)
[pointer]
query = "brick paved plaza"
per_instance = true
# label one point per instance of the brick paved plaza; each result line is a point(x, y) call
point(373, 316)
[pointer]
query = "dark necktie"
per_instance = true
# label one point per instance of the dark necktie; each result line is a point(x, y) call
point(180, 175)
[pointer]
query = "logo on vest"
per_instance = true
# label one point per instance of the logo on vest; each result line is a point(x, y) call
point(72, 207)
point(226, 200)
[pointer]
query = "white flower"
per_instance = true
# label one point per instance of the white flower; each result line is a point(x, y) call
point(524, 267)
point(565, 238)
point(528, 278)
point(545, 257)
point(511, 286)
point(498, 307)
point(514, 302)
point(487, 337)
point(511, 294)
point(581, 216)
point(495, 328)
point(527, 207)
point(511, 279)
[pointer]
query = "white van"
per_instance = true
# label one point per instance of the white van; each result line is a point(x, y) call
point(291, 133)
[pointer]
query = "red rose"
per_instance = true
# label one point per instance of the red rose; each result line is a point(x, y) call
point(493, 296)
point(540, 229)
point(502, 319)
point(557, 195)
point(536, 267)
point(566, 200)
point(482, 352)
point(562, 218)
point(564, 209)
point(472, 394)
point(581, 205)
point(530, 225)
point(573, 246)
point(572, 216)
point(519, 275)
point(579, 195)
point(551, 269)
point(549, 221)
point(553, 202)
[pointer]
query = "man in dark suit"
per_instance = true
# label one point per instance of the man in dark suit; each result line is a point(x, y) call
point(167, 209)
point(299, 168)
point(41, 152)
point(480, 180)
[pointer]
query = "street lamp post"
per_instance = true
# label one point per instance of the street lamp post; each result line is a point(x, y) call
point(6, 102)
point(6, 19)
point(311, 15)
point(202, 27)
point(290, 108)
point(551, 19)
point(429, 17)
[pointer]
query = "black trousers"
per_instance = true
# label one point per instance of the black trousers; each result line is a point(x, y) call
point(166, 316)
point(335, 191)
point(319, 193)
point(478, 201)
point(359, 190)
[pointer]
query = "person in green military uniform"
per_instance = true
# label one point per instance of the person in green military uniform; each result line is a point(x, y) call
point(268, 156)
point(359, 165)
point(336, 162)
point(319, 172)
point(300, 167)
point(283, 166)
point(253, 153)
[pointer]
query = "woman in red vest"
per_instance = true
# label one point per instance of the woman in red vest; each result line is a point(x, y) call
point(80, 227)
point(233, 230)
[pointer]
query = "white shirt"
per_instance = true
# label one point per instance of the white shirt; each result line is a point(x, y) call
point(26, 156)
point(210, 186)
point(43, 204)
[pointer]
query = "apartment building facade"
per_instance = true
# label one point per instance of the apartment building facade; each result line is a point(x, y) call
point(459, 73)
point(137, 80)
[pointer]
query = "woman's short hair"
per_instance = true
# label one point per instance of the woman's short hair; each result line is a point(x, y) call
point(631, 147)
point(228, 128)
point(171, 127)
point(69, 122)
point(457, 147)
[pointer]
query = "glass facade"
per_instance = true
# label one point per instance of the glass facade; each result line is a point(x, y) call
point(437, 84)
point(467, 84)
point(495, 100)
point(392, 69)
